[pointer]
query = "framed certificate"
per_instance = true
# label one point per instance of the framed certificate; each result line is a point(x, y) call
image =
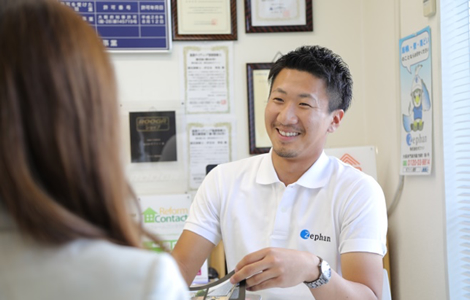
point(202, 20)
point(258, 94)
point(278, 15)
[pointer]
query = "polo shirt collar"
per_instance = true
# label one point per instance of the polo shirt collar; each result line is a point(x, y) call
point(266, 173)
point(315, 177)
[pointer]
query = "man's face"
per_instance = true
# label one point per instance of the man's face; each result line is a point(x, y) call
point(296, 116)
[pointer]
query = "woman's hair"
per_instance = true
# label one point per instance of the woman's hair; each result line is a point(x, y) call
point(61, 173)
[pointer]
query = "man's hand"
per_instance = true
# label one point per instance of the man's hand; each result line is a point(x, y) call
point(276, 267)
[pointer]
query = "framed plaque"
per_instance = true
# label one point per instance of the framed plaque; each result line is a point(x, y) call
point(128, 26)
point(258, 94)
point(278, 16)
point(202, 20)
point(153, 136)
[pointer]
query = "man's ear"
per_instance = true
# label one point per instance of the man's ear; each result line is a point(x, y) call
point(337, 116)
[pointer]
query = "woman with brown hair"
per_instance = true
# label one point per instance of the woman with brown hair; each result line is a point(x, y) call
point(65, 227)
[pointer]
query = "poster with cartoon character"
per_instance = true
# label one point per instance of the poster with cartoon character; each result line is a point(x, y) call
point(416, 103)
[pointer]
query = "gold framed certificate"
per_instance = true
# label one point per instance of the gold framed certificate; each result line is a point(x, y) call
point(202, 20)
point(278, 15)
point(258, 94)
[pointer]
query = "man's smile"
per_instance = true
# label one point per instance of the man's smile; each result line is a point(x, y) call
point(288, 133)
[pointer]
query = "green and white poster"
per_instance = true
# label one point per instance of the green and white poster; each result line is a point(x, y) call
point(165, 215)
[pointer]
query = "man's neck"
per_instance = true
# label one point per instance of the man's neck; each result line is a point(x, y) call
point(289, 170)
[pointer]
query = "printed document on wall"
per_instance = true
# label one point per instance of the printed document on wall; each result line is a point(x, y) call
point(210, 143)
point(416, 103)
point(207, 78)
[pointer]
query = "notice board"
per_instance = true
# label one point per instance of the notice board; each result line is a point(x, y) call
point(142, 25)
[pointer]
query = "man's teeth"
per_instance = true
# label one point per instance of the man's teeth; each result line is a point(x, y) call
point(283, 133)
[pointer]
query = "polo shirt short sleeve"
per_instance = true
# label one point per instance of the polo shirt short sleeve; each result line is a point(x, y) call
point(332, 209)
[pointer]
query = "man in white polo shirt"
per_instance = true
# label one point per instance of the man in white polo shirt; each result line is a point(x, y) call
point(295, 223)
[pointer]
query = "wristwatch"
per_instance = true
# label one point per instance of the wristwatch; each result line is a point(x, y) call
point(325, 275)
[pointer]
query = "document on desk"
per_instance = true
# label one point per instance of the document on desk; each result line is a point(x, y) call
point(247, 297)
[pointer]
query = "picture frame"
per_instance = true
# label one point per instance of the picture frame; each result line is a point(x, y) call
point(127, 27)
point(278, 16)
point(204, 21)
point(153, 136)
point(258, 93)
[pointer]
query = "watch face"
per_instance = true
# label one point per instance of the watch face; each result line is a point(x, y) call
point(325, 270)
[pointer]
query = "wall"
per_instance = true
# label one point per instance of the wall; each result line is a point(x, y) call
point(365, 33)
point(420, 220)
point(417, 226)
point(155, 78)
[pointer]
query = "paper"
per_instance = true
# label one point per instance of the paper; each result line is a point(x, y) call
point(204, 17)
point(361, 158)
point(416, 103)
point(278, 12)
point(261, 89)
point(209, 144)
point(207, 85)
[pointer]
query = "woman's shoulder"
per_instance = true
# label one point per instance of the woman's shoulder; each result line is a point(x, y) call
point(107, 270)
point(157, 274)
point(114, 255)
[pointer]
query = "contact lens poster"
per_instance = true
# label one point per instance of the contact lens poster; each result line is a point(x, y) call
point(416, 103)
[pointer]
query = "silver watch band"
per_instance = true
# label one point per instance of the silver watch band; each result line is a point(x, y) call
point(325, 275)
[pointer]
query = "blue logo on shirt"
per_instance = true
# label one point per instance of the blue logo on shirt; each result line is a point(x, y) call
point(305, 234)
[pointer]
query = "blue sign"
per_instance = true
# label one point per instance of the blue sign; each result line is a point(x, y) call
point(128, 25)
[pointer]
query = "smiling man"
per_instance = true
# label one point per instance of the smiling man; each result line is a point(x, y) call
point(295, 223)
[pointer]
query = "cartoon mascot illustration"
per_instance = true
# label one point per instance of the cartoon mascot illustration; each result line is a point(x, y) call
point(420, 101)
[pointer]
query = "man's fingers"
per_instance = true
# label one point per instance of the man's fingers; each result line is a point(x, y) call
point(248, 271)
point(262, 269)
point(262, 281)
point(250, 258)
point(261, 278)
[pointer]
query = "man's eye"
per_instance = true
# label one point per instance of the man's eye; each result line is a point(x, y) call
point(278, 100)
point(305, 104)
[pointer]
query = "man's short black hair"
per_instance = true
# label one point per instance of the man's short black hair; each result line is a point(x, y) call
point(323, 64)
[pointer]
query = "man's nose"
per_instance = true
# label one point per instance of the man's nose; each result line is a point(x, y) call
point(288, 114)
